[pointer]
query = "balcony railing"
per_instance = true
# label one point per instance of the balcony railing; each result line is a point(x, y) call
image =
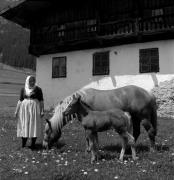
point(157, 23)
point(86, 31)
point(117, 28)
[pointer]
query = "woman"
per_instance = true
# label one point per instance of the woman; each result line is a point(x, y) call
point(29, 110)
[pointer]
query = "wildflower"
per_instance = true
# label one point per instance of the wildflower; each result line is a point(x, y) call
point(96, 170)
point(153, 162)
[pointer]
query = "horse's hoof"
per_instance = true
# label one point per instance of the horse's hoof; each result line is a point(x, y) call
point(121, 159)
point(152, 149)
point(88, 150)
point(93, 161)
point(135, 158)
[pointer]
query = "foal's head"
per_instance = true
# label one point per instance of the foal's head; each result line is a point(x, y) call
point(73, 107)
point(77, 107)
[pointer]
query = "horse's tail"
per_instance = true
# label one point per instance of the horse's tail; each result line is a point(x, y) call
point(154, 114)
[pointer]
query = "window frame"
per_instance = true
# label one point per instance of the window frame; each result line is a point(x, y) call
point(58, 75)
point(107, 61)
point(149, 56)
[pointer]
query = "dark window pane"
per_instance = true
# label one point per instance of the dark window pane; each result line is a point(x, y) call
point(101, 63)
point(149, 60)
point(59, 67)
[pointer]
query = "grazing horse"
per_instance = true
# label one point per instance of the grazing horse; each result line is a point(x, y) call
point(98, 121)
point(140, 104)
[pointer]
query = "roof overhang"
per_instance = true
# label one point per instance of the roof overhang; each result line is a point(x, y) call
point(24, 11)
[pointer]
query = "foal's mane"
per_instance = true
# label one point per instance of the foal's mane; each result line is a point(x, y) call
point(60, 108)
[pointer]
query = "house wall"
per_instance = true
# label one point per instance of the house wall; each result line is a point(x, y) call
point(124, 70)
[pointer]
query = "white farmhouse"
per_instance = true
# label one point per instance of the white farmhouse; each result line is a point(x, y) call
point(98, 43)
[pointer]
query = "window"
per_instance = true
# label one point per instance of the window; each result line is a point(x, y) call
point(149, 60)
point(58, 67)
point(101, 63)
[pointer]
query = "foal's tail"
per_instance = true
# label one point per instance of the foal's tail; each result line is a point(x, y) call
point(153, 118)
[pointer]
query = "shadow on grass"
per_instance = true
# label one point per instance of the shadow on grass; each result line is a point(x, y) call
point(40, 147)
point(139, 148)
point(60, 144)
point(161, 147)
point(107, 156)
point(146, 148)
point(112, 148)
point(37, 147)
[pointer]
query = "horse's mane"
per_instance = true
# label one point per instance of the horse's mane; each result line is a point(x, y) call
point(61, 107)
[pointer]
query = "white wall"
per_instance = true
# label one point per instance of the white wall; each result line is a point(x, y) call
point(124, 70)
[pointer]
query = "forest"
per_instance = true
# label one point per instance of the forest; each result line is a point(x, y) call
point(14, 42)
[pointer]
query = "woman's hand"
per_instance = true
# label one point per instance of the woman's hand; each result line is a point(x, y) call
point(15, 114)
point(41, 114)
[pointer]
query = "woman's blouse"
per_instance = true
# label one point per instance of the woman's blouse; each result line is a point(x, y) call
point(36, 94)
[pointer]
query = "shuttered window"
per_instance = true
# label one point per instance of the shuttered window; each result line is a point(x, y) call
point(149, 60)
point(59, 67)
point(101, 63)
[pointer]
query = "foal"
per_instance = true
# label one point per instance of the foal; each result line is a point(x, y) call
point(98, 121)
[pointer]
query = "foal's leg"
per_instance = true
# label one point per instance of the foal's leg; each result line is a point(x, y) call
point(87, 143)
point(124, 143)
point(131, 140)
point(92, 145)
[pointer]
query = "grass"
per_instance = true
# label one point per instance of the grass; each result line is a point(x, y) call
point(68, 160)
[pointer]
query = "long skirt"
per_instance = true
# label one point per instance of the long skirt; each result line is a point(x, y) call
point(29, 121)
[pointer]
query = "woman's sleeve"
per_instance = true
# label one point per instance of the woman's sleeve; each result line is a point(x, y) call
point(40, 95)
point(21, 97)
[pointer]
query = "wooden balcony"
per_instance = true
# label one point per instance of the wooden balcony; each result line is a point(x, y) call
point(97, 34)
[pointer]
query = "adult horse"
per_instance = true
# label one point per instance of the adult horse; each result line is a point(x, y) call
point(138, 102)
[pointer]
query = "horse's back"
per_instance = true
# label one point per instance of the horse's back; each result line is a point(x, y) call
point(130, 97)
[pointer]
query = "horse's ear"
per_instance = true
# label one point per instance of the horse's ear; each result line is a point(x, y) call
point(74, 96)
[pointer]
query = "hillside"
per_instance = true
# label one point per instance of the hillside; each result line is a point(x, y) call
point(14, 42)
point(12, 79)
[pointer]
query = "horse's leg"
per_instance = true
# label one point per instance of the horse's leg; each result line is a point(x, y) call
point(151, 132)
point(96, 141)
point(136, 128)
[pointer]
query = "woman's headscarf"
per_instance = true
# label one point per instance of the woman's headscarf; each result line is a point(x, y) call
point(28, 88)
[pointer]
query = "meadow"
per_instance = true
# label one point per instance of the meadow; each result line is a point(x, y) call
point(68, 160)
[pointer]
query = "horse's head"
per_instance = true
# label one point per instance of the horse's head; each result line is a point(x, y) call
point(53, 126)
point(50, 135)
point(47, 134)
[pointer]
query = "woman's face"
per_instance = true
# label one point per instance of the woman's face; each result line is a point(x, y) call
point(32, 81)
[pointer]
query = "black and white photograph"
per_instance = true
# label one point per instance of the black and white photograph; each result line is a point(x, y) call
point(87, 90)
